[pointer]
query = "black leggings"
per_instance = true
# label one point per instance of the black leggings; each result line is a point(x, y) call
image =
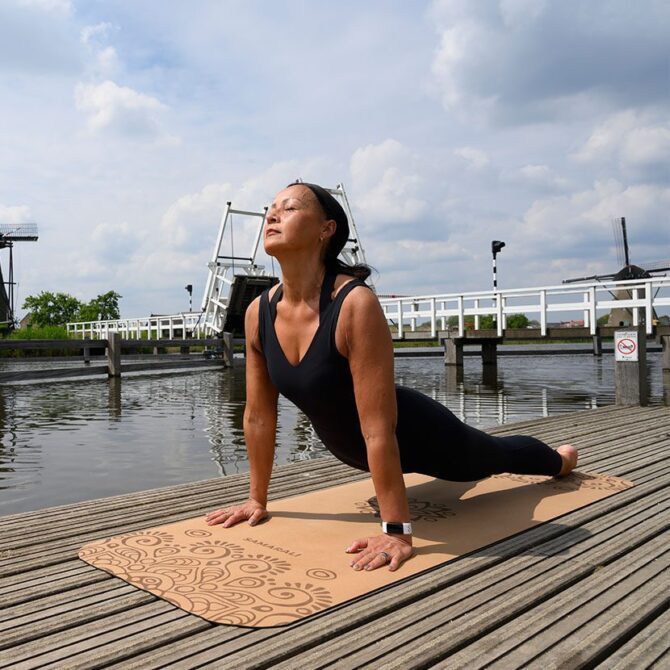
point(435, 442)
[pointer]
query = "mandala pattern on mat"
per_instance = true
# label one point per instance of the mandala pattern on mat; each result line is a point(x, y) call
point(573, 482)
point(217, 580)
point(419, 510)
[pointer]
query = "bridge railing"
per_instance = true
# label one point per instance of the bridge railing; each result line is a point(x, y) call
point(169, 326)
point(591, 300)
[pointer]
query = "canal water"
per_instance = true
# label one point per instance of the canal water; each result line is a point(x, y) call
point(69, 441)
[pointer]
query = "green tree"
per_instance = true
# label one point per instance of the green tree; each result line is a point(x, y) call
point(602, 320)
point(52, 309)
point(517, 321)
point(487, 322)
point(104, 307)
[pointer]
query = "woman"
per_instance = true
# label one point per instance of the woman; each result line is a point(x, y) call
point(321, 339)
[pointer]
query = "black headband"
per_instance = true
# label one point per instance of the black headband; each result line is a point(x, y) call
point(333, 210)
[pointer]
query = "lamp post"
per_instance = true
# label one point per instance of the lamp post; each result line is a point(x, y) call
point(496, 246)
point(189, 288)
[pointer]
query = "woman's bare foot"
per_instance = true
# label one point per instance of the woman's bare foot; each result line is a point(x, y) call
point(569, 456)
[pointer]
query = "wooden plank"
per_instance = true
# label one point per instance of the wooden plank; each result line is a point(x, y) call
point(9, 616)
point(53, 373)
point(67, 587)
point(556, 633)
point(643, 650)
point(73, 614)
point(595, 627)
point(59, 648)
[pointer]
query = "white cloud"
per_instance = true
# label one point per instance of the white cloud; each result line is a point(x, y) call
point(536, 176)
point(519, 13)
point(631, 137)
point(386, 184)
point(59, 6)
point(189, 222)
point(476, 159)
point(521, 60)
point(116, 242)
point(120, 108)
point(579, 224)
point(14, 214)
point(95, 32)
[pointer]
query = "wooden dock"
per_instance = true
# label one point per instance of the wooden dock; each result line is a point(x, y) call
point(590, 590)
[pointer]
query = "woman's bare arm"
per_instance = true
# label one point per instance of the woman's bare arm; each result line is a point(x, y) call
point(364, 338)
point(260, 427)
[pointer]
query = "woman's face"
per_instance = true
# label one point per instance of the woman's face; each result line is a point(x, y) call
point(295, 221)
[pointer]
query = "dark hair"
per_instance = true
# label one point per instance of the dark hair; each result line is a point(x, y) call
point(333, 210)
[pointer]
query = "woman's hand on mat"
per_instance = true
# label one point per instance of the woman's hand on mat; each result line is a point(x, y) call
point(380, 550)
point(251, 511)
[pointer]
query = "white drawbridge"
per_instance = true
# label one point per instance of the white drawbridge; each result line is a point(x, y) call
point(234, 279)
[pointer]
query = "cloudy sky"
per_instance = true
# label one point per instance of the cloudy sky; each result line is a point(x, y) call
point(125, 126)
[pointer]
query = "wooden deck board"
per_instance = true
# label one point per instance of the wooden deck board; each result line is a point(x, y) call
point(643, 650)
point(508, 603)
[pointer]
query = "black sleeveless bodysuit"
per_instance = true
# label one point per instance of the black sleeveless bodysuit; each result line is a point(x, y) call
point(431, 439)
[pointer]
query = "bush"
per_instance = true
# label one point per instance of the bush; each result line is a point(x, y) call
point(39, 333)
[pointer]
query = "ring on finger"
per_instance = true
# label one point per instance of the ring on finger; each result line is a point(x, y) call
point(386, 556)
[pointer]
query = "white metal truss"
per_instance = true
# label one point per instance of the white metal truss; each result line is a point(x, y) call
point(223, 268)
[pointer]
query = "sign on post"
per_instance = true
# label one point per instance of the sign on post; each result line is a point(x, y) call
point(626, 345)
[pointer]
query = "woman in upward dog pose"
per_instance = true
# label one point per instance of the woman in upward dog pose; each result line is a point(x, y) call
point(320, 338)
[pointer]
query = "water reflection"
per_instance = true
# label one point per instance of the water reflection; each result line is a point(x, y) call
point(76, 440)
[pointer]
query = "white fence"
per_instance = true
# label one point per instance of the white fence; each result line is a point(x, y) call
point(591, 300)
point(170, 326)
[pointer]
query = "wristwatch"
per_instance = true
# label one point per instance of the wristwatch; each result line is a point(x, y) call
point(397, 528)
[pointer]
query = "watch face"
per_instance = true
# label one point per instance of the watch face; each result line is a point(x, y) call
point(395, 528)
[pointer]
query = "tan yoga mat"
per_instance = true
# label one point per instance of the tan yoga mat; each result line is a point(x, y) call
point(294, 564)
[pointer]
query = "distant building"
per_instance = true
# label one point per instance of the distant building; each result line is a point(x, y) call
point(575, 323)
point(26, 320)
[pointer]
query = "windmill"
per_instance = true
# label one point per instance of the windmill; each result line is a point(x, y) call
point(9, 234)
point(623, 316)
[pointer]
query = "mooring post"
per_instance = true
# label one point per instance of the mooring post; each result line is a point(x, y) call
point(597, 345)
point(114, 355)
point(665, 343)
point(227, 346)
point(453, 351)
point(630, 367)
point(490, 352)
point(87, 355)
